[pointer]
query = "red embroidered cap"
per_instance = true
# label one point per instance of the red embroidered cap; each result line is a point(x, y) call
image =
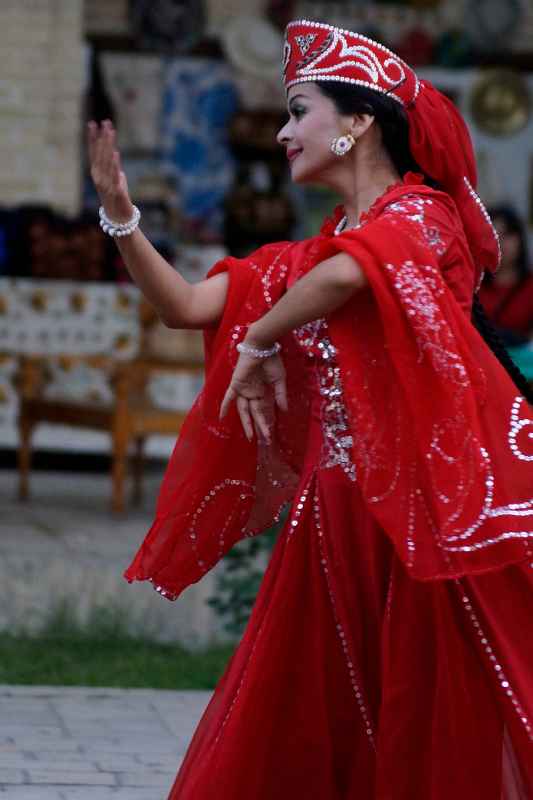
point(316, 51)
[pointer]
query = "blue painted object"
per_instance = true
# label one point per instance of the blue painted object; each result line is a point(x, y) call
point(198, 102)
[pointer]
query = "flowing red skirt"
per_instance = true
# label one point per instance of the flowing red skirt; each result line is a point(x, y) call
point(355, 682)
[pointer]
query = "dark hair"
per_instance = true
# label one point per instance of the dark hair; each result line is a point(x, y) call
point(389, 115)
point(394, 125)
point(513, 224)
point(492, 338)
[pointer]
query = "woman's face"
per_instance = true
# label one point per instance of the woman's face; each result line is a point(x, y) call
point(313, 123)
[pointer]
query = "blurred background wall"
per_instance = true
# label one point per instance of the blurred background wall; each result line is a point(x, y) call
point(41, 80)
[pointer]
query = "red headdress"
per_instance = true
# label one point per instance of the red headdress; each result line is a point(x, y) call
point(438, 137)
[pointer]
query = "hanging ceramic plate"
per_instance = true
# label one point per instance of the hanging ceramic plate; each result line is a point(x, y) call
point(254, 46)
point(500, 103)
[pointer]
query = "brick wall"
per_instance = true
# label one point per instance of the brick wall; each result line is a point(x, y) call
point(41, 77)
point(106, 17)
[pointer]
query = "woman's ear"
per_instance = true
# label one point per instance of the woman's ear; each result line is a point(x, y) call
point(360, 123)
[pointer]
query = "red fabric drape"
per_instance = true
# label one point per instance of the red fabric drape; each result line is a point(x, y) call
point(441, 438)
point(440, 143)
point(218, 487)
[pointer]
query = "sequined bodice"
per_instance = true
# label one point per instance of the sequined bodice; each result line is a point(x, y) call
point(328, 409)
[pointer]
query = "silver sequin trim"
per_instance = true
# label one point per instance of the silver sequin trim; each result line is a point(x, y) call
point(345, 644)
point(338, 440)
point(505, 684)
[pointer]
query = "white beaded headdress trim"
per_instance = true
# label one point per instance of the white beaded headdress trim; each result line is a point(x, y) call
point(318, 76)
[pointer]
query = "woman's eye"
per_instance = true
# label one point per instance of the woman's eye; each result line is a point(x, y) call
point(297, 111)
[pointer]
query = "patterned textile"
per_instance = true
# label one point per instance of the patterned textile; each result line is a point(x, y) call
point(67, 317)
point(64, 319)
point(199, 99)
point(135, 84)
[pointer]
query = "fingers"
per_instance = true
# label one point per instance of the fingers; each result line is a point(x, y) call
point(250, 413)
point(98, 143)
point(228, 398)
point(246, 419)
point(280, 394)
point(101, 143)
point(108, 148)
point(260, 422)
point(92, 135)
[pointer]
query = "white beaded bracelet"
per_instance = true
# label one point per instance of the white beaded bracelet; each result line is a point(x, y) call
point(242, 347)
point(119, 229)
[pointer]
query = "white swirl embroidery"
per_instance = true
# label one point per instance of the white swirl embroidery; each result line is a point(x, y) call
point(365, 60)
point(517, 425)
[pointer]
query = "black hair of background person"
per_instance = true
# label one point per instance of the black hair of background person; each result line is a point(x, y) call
point(513, 224)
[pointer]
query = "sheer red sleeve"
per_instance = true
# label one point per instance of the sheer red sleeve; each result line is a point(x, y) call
point(218, 487)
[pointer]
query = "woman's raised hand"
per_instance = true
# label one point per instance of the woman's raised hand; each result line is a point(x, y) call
point(106, 171)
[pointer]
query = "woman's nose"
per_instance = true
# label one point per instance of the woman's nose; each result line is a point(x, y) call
point(283, 135)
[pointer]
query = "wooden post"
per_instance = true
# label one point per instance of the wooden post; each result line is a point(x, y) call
point(138, 464)
point(27, 380)
point(120, 436)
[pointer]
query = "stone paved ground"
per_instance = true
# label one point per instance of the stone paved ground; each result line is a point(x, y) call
point(93, 744)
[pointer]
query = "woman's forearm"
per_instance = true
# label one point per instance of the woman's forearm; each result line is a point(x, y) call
point(167, 291)
point(324, 289)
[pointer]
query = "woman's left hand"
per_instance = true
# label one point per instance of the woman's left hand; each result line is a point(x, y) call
point(249, 383)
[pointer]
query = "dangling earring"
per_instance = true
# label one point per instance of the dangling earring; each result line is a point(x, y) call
point(343, 144)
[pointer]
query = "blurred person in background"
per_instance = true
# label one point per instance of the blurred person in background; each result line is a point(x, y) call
point(507, 296)
point(387, 655)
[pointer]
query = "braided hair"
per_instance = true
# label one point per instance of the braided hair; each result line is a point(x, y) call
point(492, 338)
point(394, 125)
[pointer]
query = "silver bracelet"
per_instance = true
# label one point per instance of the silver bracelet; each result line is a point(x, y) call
point(119, 228)
point(248, 350)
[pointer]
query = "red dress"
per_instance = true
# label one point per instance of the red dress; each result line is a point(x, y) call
point(388, 655)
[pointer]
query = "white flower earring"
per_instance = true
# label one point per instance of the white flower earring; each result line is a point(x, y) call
point(343, 144)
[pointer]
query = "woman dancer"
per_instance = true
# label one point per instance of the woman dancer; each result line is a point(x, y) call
point(388, 653)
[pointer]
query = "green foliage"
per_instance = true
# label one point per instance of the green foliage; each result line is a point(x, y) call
point(238, 584)
point(103, 653)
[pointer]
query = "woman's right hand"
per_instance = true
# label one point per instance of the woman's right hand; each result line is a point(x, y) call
point(106, 171)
